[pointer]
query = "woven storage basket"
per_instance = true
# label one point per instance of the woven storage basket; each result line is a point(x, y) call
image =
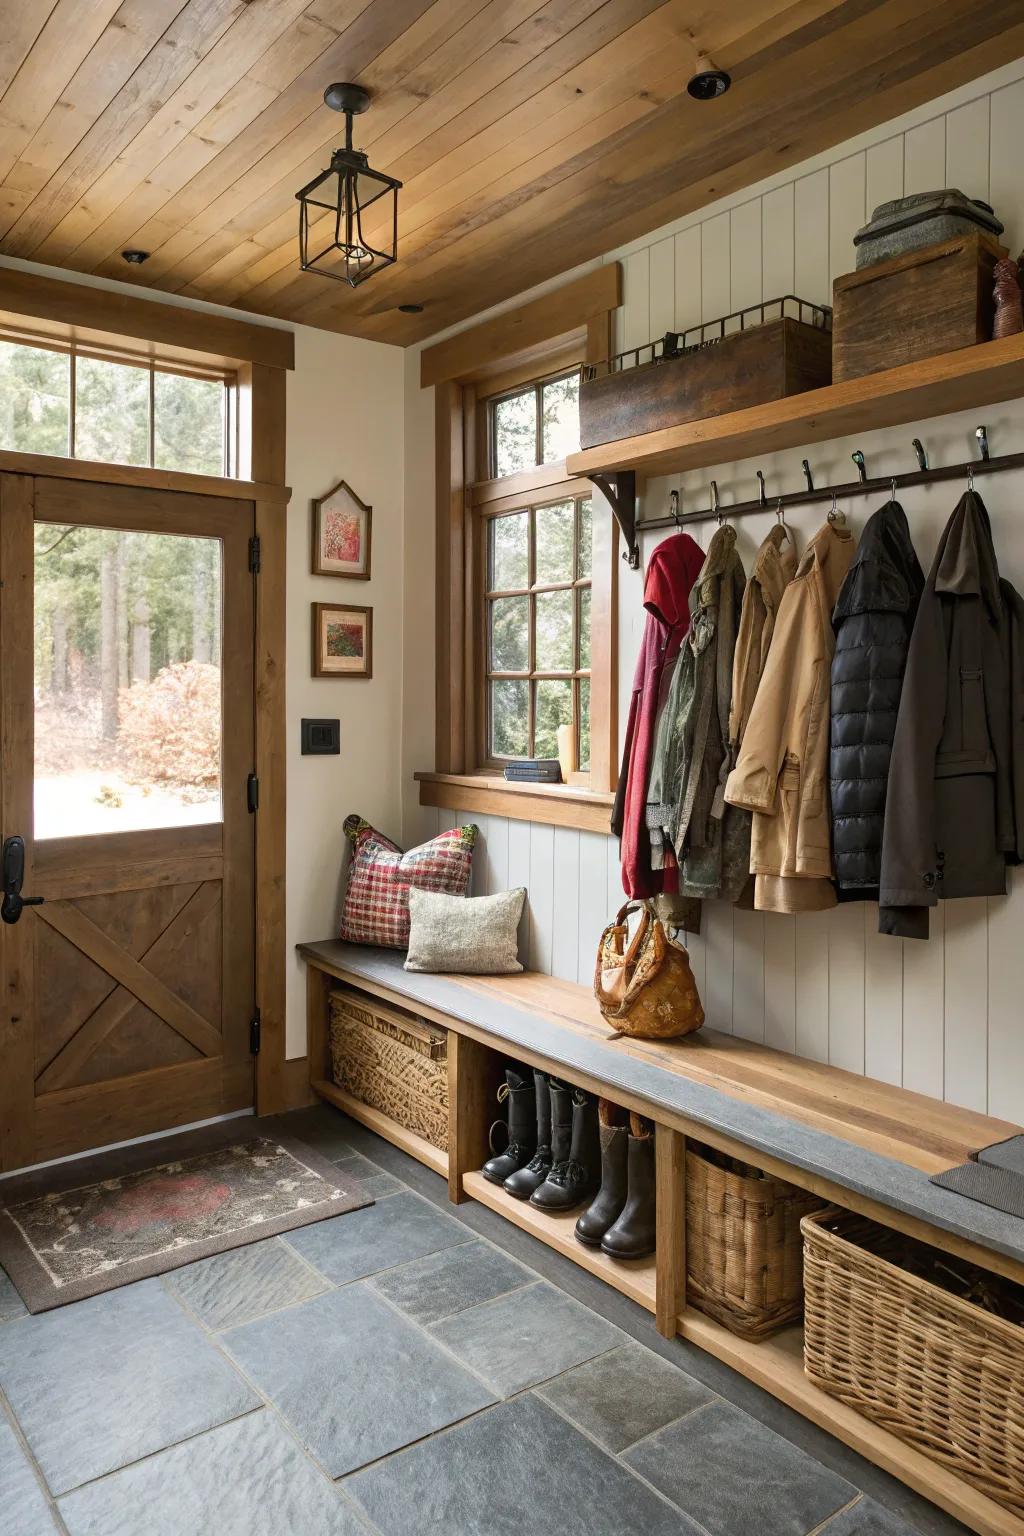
point(392, 1061)
point(936, 1370)
point(744, 1252)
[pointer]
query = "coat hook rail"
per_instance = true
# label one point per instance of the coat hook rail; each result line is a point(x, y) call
point(862, 487)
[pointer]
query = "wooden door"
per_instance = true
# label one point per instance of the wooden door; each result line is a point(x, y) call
point(126, 728)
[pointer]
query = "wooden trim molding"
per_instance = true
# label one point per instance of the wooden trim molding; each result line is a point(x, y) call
point(54, 468)
point(541, 327)
point(483, 794)
point(79, 312)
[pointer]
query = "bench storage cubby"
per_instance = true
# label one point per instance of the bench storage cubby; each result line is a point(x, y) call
point(391, 1061)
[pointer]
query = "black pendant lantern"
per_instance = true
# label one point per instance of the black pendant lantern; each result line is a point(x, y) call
point(348, 219)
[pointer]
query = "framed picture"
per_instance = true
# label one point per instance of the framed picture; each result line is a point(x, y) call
point(342, 640)
point(341, 534)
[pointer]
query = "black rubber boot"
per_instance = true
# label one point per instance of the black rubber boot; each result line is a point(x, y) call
point(517, 1091)
point(633, 1235)
point(524, 1181)
point(576, 1152)
point(611, 1197)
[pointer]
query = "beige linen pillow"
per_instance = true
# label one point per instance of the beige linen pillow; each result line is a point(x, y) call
point(470, 935)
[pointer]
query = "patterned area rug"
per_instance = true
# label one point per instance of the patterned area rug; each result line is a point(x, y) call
point(81, 1228)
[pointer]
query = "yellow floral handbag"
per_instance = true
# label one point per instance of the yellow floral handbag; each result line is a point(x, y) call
point(644, 986)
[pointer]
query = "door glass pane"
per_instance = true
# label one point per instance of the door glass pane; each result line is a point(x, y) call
point(561, 418)
point(554, 708)
point(509, 558)
point(111, 412)
point(510, 634)
point(510, 725)
point(188, 424)
point(35, 399)
point(127, 680)
point(554, 631)
point(515, 433)
point(554, 543)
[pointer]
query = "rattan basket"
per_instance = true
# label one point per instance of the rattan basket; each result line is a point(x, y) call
point(744, 1252)
point(392, 1061)
point(940, 1372)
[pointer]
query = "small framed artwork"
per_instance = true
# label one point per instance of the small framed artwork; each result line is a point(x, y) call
point(341, 534)
point(342, 640)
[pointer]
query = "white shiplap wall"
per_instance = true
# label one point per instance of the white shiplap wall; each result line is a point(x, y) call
point(945, 1018)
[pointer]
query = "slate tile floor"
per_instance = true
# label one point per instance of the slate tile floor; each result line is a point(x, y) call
point(405, 1369)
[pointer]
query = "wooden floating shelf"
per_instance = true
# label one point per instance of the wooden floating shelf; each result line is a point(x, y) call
point(936, 386)
point(416, 1146)
point(633, 1279)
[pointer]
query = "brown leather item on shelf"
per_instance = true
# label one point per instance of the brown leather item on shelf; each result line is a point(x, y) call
point(645, 986)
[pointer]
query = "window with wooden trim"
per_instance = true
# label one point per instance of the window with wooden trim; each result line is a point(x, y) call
point(115, 408)
point(538, 423)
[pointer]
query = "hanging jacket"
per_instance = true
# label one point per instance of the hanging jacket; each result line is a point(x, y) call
point(873, 619)
point(774, 569)
point(949, 824)
point(782, 772)
point(671, 572)
point(1013, 609)
point(686, 808)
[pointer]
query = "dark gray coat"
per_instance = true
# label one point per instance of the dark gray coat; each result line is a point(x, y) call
point(873, 619)
point(949, 823)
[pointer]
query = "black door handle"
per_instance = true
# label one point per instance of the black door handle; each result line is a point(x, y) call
point(12, 869)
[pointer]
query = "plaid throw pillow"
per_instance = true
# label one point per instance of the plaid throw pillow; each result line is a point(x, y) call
point(376, 909)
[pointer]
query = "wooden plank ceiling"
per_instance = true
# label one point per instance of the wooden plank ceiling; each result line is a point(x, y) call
point(530, 136)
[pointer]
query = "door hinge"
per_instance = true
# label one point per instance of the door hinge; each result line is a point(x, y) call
point(255, 554)
point(254, 1033)
point(252, 793)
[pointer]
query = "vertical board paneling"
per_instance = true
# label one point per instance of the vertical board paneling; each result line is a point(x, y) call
point(689, 303)
point(780, 981)
point(883, 1001)
point(846, 987)
point(565, 937)
point(923, 991)
point(714, 268)
point(636, 310)
point(845, 212)
point(965, 1003)
point(883, 173)
point(810, 224)
point(812, 985)
point(1007, 136)
point(748, 974)
point(593, 912)
point(745, 262)
point(716, 927)
point(967, 148)
point(1005, 994)
point(519, 874)
point(924, 157)
point(777, 242)
point(662, 288)
point(541, 885)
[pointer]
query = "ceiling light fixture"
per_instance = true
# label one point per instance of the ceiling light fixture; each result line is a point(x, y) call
point(410, 309)
point(135, 258)
point(709, 81)
point(333, 207)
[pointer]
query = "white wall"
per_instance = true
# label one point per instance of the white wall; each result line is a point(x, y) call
point(946, 1017)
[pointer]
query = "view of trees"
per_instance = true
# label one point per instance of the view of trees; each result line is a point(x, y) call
point(515, 425)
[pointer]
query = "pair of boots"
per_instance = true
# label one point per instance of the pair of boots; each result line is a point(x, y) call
point(621, 1220)
point(553, 1154)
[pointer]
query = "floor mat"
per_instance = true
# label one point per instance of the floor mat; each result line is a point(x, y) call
point(74, 1230)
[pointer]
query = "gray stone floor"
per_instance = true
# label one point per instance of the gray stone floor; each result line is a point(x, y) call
point(407, 1368)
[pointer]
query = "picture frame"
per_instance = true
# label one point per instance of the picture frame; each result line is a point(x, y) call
point(342, 530)
point(342, 640)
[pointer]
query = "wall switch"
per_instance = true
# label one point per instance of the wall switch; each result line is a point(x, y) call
point(321, 737)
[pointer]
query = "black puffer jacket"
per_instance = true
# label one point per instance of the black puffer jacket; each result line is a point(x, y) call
point(873, 619)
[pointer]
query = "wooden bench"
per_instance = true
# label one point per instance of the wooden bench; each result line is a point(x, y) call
point(865, 1145)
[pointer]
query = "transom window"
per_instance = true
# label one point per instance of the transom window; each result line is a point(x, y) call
point(539, 565)
point(81, 404)
point(537, 424)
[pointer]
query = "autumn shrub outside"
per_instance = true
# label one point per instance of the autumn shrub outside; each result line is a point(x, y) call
point(170, 729)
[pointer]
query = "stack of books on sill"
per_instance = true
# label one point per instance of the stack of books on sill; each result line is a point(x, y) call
point(534, 770)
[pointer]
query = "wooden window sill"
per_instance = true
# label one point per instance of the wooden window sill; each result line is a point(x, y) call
point(487, 794)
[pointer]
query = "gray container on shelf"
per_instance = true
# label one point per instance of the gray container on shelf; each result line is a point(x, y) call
point(925, 218)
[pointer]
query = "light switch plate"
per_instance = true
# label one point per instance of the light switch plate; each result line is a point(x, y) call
point(321, 738)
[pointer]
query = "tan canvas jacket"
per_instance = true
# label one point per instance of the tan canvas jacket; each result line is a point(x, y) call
point(774, 569)
point(782, 771)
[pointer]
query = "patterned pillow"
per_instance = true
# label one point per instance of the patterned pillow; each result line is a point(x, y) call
point(376, 909)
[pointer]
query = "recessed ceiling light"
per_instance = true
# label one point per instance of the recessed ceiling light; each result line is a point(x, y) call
point(410, 309)
point(135, 258)
point(708, 83)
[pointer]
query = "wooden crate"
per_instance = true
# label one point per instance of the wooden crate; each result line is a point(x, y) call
point(934, 300)
point(748, 367)
point(392, 1061)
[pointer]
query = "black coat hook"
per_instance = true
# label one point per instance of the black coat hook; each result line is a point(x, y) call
point(673, 506)
point(808, 477)
point(715, 503)
point(981, 433)
point(858, 459)
point(922, 457)
point(762, 498)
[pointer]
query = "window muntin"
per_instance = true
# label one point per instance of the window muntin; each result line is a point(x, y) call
point(537, 424)
point(537, 626)
point(76, 403)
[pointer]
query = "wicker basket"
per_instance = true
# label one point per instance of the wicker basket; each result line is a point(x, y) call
point(940, 1372)
point(392, 1061)
point(744, 1254)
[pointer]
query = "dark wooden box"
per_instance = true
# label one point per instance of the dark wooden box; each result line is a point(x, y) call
point(918, 305)
point(749, 367)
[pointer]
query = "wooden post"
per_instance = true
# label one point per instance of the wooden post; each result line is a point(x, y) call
point(474, 1073)
point(670, 1260)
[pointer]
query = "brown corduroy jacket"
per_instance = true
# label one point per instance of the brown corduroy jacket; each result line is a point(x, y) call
point(774, 569)
point(782, 771)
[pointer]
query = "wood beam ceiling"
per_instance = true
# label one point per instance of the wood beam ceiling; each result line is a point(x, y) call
point(530, 136)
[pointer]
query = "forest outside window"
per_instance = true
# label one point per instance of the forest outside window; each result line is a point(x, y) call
point(73, 403)
point(536, 424)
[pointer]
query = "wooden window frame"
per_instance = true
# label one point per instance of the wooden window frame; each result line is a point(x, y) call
point(539, 340)
point(259, 356)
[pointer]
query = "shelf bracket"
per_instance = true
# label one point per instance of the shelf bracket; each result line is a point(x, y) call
point(619, 490)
